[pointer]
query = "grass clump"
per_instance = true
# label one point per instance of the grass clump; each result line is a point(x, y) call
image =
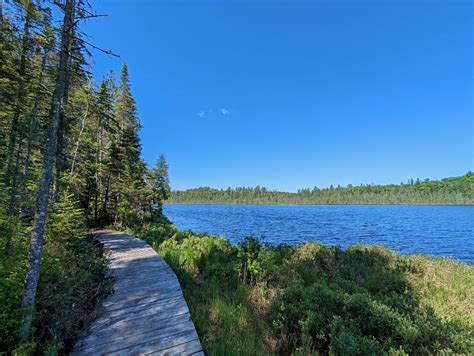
point(256, 298)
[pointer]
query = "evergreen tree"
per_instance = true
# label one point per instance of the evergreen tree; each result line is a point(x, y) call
point(159, 184)
point(129, 188)
point(37, 234)
point(59, 130)
point(456, 190)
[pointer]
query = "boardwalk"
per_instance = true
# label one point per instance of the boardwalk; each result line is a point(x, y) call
point(147, 313)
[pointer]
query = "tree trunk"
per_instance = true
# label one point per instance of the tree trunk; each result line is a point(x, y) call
point(78, 142)
point(105, 204)
point(37, 233)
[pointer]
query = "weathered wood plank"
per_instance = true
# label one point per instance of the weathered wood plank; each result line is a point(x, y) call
point(124, 290)
point(144, 299)
point(140, 306)
point(140, 293)
point(117, 343)
point(159, 344)
point(164, 310)
point(147, 313)
point(124, 331)
point(199, 353)
point(187, 348)
point(132, 283)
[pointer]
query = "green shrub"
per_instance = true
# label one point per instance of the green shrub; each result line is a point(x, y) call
point(13, 243)
point(71, 282)
point(365, 303)
point(256, 298)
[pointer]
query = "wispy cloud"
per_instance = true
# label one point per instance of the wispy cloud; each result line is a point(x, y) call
point(224, 111)
point(209, 113)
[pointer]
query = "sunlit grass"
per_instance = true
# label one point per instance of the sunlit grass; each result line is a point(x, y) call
point(256, 299)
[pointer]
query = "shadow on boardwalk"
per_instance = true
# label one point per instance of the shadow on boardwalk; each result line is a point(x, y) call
point(147, 313)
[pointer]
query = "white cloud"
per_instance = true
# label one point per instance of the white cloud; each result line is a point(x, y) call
point(205, 113)
point(224, 111)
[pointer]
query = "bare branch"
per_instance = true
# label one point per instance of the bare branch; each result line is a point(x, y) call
point(108, 52)
point(91, 16)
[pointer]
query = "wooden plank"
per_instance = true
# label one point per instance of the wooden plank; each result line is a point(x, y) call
point(147, 313)
point(192, 347)
point(140, 306)
point(136, 267)
point(102, 336)
point(124, 275)
point(148, 280)
point(199, 353)
point(158, 344)
point(118, 343)
point(164, 310)
point(158, 297)
point(140, 293)
point(123, 290)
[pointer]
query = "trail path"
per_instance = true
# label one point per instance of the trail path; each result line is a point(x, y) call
point(147, 313)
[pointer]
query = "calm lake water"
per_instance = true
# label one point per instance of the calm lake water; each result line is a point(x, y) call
point(436, 230)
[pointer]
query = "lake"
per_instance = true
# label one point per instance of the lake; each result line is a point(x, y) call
point(436, 230)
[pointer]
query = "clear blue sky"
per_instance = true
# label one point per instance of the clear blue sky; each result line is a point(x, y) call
point(290, 94)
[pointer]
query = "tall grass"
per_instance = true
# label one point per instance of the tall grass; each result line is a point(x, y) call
point(257, 299)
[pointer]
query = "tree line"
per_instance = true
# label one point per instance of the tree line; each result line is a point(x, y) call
point(454, 191)
point(66, 138)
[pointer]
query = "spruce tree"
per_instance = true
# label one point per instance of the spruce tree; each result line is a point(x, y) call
point(37, 234)
point(159, 184)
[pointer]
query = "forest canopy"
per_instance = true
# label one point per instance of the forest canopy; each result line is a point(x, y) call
point(448, 191)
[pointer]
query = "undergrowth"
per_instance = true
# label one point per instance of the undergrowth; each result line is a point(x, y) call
point(72, 282)
point(257, 299)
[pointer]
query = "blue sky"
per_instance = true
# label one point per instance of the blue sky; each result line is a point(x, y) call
point(290, 94)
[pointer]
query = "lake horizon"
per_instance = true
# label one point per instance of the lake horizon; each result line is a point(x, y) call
point(437, 230)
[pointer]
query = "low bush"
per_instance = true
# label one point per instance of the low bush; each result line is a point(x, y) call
point(256, 298)
point(71, 284)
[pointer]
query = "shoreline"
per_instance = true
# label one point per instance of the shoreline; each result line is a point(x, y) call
point(255, 298)
point(325, 244)
point(311, 204)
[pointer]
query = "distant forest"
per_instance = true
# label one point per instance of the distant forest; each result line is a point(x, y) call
point(448, 191)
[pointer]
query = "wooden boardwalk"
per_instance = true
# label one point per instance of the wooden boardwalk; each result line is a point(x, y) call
point(147, 313)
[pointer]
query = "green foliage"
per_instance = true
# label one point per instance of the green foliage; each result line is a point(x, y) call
point(262, 263)
point(12, 274)
point(256, 298)
point(208, 268)
point(456, 190)
point(72, 282)
point(98, 174)
point(159, 184)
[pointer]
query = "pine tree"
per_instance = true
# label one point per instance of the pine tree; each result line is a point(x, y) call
point(58, 130)
point(159, 184)
point(37, 234)
point(130, 186)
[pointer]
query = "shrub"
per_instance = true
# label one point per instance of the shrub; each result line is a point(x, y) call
point(255, 298)
point(71, 284)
